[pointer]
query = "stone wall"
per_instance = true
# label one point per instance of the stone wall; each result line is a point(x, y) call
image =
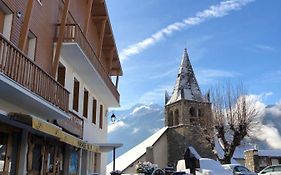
point(180, 137)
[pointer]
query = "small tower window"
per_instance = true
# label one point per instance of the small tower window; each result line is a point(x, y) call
point(170, 119)
point(200, 112)
point(192, 112)
point(176, 118)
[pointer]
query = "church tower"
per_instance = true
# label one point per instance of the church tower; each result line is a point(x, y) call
point(184, 110)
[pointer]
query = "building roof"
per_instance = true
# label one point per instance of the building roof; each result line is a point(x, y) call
point(125, 160)
point(269, 153)
point(186, 86)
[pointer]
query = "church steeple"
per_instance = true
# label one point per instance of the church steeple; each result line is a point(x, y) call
point(186, 86)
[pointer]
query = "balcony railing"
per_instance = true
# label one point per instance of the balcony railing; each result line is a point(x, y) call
point(73, 33)
point(17, 66)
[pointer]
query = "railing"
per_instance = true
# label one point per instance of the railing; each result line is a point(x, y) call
point(73, 33)
point(17, 66)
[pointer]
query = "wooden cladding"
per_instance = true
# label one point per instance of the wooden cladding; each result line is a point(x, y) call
point(17, 66)
point(73, 33)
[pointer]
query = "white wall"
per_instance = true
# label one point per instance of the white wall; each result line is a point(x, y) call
point(92, 132)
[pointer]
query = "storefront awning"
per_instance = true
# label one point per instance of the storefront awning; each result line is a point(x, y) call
point(106, 147)
point(53, 130)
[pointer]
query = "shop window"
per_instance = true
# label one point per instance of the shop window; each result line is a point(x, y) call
point(3, 151)
point(61, 74)
point(73, 162)
point(76, 94)
point(85, 104)
point(31, 45)
point(101, 116)
point(97, 160)
point(36, 158)
point(94, 114)
point(6, 18)
point(51, 159)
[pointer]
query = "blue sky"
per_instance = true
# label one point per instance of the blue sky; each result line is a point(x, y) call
point(237, 40)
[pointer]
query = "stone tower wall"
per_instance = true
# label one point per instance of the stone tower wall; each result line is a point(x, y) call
point(182, 136)
point(187, 131)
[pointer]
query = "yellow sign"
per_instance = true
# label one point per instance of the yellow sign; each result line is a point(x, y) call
point(46, 127)
point(51, 129)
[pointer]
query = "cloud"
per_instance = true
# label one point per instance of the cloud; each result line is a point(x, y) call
point(154, 130)
point(207, 76)
point(155, 95)
point(265, 47)
point(272, 77)
point(270, 135)
point(214, 11)
point(117, 125)
point(268, 130)
point(135, 130)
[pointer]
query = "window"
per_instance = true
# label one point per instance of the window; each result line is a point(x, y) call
point(170, 119)
point(6, 18)
point(192, 112)
point(176, 120)
point(31, 45)
point(61, 74)
point(85, 104)
point(76, 95)
point(101, 116)
point(94, 119)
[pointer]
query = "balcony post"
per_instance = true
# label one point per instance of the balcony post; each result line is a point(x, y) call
point(60, 38)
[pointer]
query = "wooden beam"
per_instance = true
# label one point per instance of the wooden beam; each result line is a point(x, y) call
point(26, 24)
point(101, 36)
point(87, 19)
point(100, 17)
point(60, 38)
point(109, 61)
point(117, 81)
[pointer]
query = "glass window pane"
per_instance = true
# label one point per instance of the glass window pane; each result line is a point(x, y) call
point(36, 157)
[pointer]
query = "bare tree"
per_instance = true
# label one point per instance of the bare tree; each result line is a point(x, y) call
point(233, 119)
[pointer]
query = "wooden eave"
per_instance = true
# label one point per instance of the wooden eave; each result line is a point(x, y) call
point(100, 15)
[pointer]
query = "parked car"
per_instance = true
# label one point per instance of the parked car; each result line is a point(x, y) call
point(237, 169)
point(271, 170)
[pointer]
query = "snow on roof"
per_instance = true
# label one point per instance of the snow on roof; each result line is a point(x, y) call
point(125, 160)
point(186, 86)
point(269, 153)
point(194, 152)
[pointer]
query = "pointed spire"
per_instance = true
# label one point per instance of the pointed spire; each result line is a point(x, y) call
point(186, 86)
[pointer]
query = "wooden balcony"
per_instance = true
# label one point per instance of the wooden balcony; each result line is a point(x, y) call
point(74, 34)
point(17, 66)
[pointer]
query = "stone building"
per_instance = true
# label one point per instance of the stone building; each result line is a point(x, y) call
point(256, 160)
point(183, 111)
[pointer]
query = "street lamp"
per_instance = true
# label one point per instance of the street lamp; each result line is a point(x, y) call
point(113, 118)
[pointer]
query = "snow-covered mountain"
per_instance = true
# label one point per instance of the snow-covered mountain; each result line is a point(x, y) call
point(140, 121)
point(135, 125)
